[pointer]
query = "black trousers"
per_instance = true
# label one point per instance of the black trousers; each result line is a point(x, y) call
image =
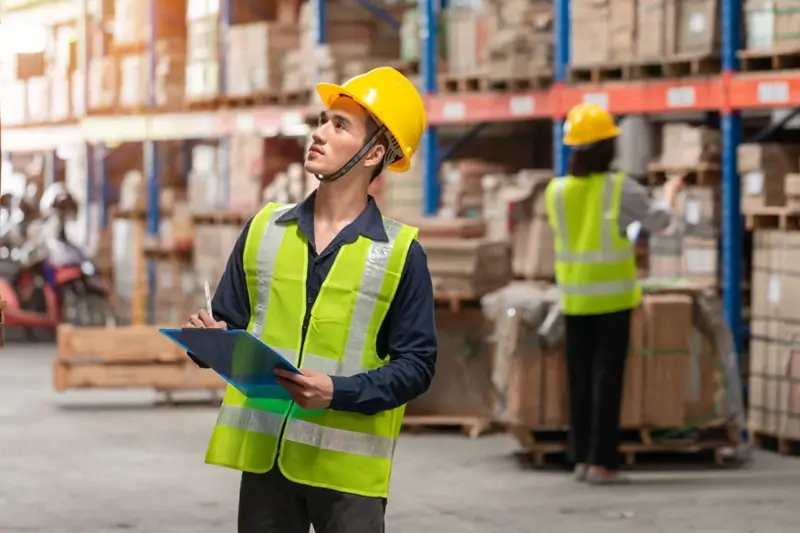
point(270, 503)
point(596, 347)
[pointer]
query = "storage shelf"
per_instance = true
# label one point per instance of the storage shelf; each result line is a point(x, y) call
point(743, 91)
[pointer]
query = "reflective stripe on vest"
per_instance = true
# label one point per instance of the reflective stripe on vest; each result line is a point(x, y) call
point(268, 423)
point(595, 264)
point(338, 440)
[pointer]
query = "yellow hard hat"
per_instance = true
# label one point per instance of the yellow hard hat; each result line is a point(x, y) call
point(393, 100)
point(588, 123)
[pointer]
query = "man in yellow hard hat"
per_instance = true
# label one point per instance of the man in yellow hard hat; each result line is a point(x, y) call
point(346, 296)
point(590, 210)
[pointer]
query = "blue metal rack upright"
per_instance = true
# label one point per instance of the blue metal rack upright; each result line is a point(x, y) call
point(430, 140)
point(732, 232)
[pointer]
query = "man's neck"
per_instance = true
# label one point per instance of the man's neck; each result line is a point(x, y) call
point(340, 201)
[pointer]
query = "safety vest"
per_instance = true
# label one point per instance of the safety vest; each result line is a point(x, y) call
point(348, 452)
point(595, 265)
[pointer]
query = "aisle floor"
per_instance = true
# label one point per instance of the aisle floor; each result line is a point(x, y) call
point(109, 462)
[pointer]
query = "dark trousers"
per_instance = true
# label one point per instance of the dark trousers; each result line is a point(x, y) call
point(270, 503)
point(596, 347)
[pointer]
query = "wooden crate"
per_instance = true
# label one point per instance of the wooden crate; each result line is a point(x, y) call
point(126, 357)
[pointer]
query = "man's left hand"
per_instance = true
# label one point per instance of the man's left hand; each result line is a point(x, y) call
point(310, 390)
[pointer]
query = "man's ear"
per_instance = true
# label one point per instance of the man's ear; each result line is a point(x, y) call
point(375, 155)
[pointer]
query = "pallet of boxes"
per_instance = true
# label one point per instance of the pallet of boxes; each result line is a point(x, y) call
point(469, 255)
point(641, 39)
point(498, 45)
point(770, 188)
point(681, 391)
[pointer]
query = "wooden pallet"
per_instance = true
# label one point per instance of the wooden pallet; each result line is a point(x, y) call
point(295, 97)
point(754, 61)
point(473, 426)
point(253, 100)
point(773, 218)
point(705, 174)
point(773, 443)
point(540, 444)
point(204, 104)
point(673, 67)
point(222, 218)
point(478, 83)
point(597, 73)
point(126, 357)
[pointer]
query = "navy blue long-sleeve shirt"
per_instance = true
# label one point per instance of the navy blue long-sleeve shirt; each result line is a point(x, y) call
point(407, 335)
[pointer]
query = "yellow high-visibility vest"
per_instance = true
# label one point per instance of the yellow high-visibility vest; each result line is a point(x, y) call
point(595, 265)
point(348, 452)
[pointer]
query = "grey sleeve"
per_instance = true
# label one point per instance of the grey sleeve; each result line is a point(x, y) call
point(637, 205)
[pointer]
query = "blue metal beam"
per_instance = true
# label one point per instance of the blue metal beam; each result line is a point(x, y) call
point(381, 13)
point(732, 232)
point(448, 152)
point(560, 152)
point(319, 7)
point(151, 164)
point(430, 140)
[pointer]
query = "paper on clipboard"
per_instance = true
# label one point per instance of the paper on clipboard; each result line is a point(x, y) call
point(242, 360)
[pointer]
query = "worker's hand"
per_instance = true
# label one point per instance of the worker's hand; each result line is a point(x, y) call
point(674, 184)
point(203, 320)
point(310, 390)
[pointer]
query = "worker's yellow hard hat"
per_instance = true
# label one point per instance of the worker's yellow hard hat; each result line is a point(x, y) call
point(393, 100)
point(588, 123)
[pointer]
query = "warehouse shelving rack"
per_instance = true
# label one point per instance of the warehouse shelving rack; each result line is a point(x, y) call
point(726, 94)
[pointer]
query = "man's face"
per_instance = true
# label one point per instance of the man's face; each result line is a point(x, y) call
point(340, 135)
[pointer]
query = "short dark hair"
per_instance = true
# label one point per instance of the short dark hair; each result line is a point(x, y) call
point(595, 158)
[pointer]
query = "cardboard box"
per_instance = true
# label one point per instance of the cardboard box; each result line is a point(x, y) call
point(762, 170)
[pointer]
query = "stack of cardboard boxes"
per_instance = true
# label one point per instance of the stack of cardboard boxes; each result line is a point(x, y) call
point(355, 42)
point(502, 40)
point(689, 248)
point(619, 32)
point(769, 185)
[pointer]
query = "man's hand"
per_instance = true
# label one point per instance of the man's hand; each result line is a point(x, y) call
point(204, 321)
point(310, 390)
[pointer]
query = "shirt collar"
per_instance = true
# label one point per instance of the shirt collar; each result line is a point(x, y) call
point(369, 223)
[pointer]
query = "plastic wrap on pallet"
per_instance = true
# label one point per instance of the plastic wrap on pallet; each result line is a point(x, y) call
point(537, 306)
point(519, 301)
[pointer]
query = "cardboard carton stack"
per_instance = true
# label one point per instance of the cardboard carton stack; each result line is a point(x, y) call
point(690, 247)
point(42, 87)
point(462, 189)
point(500, 39)
point(767, 172)
point(672, 375)
point(256, 52)
point(521, 43)
point(202, 52)
point(771, 25)
point(619, 32)
point(352, 34)
point(774, 408)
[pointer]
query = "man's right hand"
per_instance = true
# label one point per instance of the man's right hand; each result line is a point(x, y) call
point(203, 320)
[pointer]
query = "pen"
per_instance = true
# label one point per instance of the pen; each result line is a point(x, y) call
point(208, 300)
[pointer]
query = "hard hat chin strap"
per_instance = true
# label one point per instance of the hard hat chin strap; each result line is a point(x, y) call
point(330, 178)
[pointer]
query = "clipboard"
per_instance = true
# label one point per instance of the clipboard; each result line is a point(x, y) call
point(241, 359)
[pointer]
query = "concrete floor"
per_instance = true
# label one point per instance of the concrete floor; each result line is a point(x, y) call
point(106, 462)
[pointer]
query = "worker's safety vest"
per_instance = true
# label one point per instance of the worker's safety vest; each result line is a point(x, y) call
point(595, 264)
point(344, 451)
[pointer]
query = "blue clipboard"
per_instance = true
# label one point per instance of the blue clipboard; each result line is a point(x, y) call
point(241, 359)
